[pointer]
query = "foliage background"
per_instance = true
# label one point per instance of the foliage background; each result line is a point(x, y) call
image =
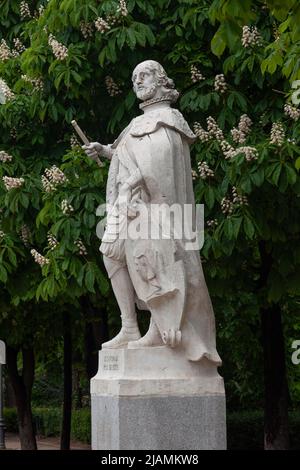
point(92, 84)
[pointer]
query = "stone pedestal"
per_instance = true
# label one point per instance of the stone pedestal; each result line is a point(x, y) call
point(155, 399)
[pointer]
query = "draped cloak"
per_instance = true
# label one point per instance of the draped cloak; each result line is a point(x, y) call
point(157, 143)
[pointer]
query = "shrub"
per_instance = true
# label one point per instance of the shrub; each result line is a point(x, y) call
point(47, 421)
point(10, 419)
point(81, 425)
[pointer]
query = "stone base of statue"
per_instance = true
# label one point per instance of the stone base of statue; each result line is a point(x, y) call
point(155, 399)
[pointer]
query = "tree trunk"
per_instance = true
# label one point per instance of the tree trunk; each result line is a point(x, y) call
point(276, 431)
point(77, 390)
point(96, 333)
point(22, 386)
point(10, 401)
point(67, 404)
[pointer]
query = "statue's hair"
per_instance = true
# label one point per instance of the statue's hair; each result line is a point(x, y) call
point(162, 78)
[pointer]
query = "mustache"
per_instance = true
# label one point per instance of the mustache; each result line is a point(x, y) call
point(146, 88)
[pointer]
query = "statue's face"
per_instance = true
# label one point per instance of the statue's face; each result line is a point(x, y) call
point(145, 83)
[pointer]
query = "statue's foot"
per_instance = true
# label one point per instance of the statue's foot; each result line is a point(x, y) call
point(125, 336)
point(151, 338)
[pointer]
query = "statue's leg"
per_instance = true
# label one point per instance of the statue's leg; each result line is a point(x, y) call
point(125, 295)
point(151, 338)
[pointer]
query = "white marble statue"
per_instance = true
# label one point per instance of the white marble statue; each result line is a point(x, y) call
point(150, 165)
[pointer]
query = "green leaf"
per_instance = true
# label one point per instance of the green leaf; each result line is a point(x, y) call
point(273, 173)
point(209, 197)
point(178, 30)
point(228, 228)
point(76, 77)
point(291, 174)
point(102, 56)
point(80, 275)
point(12, 256)
point(3, 274)
point(102, 282)
point(58, 79)
point(131, 38)
point(248, 227)
point(90, 279)
point(276, 174)
point(24, 200)
point(236, 225)
point(258, 177)
point(121, 38)
point(111, 50)
point(218, 43)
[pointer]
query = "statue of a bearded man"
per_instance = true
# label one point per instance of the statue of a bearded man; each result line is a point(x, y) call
point(150, 166)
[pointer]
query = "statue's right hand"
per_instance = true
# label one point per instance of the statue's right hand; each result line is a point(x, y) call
point(93, 149)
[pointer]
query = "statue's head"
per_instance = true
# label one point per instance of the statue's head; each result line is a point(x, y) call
point(151, 81)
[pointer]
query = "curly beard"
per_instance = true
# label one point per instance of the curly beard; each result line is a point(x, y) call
point(146, 93)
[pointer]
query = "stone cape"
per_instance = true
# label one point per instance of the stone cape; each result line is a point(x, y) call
point(157, 143)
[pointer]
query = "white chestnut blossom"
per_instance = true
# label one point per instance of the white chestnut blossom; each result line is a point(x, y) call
point(74, 141)
point(277, 134)
point(213, 129)
point(6, 91)
point(227, 149)
point(196, 75)
point(52, 241)
point(292, 112)
point(202, 135)
point(25, 234)
point(122, 8)
point(13, 133)
point(12, 183)
point(2, 235)
point(86, 29)
point(112, 19)
point(37, 83)
point(102, 25)
point(111, 86)
point(5, 52)
point(212, 223)
point(24, 10)
point(39, 259)
point(194, 175)
point(276, 33)
point(5, 157)
point(238, 199)
point(59, 50)
point(66, 208)
point(19, 47)
point(41, 10)
point(204, 171)
point(80, 245)
point(251, 153)
point(229, 152)
point(53, 177)
point(251, 36)
point(240, 133)
point(220, 84)
point(227, 206)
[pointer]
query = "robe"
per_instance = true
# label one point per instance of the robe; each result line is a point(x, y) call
point(157, 144)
